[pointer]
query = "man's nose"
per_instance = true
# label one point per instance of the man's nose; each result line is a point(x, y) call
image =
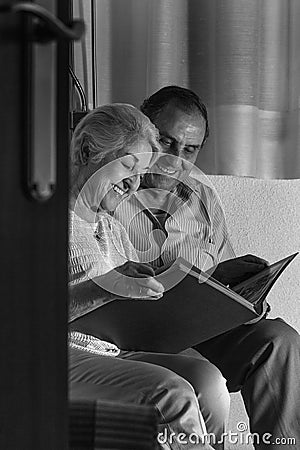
point(176, 149)
point(174, 160)
point(172, 149)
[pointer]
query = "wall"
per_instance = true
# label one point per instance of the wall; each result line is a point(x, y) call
point(263, 218)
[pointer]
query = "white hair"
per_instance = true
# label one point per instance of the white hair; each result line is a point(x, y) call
point(111, 128)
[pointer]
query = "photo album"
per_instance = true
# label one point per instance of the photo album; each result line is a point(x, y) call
point(194, 308)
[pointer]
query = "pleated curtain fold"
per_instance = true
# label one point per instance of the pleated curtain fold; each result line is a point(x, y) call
point(242, 57)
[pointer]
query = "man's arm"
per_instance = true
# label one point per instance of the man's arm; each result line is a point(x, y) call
point(220, 232)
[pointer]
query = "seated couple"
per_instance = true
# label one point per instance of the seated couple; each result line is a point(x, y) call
point(112, 148)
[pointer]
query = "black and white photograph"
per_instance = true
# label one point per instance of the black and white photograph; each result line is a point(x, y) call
point(150, 224)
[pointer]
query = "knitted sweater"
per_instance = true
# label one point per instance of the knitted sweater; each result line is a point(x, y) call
point(94, 249)
point(97, 248)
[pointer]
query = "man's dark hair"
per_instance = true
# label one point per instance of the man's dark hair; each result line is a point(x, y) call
point(182, 98)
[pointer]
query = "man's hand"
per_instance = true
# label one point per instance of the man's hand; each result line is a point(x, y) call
point(234, 271)
point(133, 280)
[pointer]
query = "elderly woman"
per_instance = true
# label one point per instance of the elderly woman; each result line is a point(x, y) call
point(111, 148)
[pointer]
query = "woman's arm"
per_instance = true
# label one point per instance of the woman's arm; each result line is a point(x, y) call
point(85, 297)
point(134, 280)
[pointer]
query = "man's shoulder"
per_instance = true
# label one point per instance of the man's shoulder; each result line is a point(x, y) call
point(202, 188)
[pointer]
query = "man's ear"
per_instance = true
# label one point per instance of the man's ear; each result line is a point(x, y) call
point(84, 154)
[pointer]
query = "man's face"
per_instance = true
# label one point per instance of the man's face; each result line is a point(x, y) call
point(181, 136)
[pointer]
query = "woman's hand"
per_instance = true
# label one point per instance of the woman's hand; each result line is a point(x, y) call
point(133, 280)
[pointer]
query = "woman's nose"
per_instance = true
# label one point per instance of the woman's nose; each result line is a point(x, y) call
point(133, 182)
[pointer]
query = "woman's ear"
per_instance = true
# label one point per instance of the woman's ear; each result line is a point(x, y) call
point(84, 154)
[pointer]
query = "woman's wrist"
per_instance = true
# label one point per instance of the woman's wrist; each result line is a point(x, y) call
point(85, 297)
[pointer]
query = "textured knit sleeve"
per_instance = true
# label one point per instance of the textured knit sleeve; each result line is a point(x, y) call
point(87, 259)
point(85, 263)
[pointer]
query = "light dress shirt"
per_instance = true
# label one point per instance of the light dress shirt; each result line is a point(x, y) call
point(194, 228)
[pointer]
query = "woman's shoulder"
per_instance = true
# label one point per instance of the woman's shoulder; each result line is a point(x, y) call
point(79, 227)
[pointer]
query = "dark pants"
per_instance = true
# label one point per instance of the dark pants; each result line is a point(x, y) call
point(183, 389)
point(262, 360)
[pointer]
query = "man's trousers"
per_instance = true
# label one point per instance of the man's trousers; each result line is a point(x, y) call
point(262, 360)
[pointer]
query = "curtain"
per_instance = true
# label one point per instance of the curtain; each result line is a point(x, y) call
point(242, 57)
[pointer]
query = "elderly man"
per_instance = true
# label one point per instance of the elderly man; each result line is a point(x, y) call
point(174, 214)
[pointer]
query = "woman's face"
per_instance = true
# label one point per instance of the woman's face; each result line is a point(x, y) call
point(120, 177)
